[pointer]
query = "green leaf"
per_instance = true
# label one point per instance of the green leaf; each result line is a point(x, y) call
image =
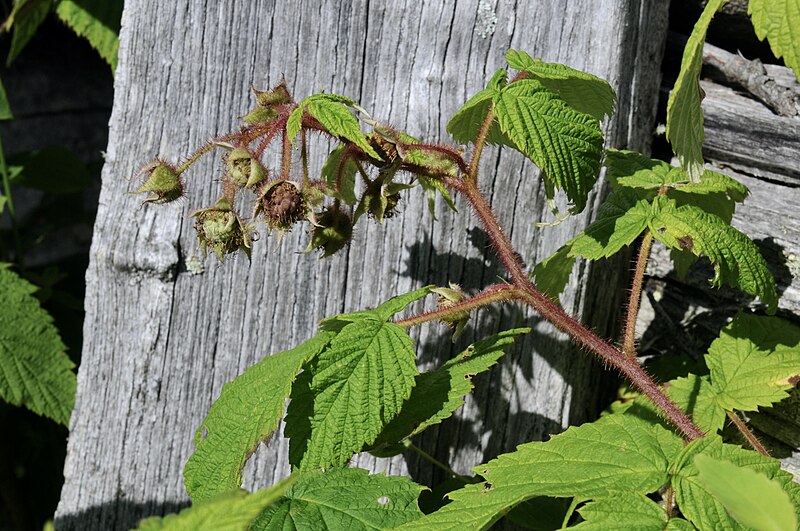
point(754, 361)
point(736, 259)
point(229, 511)
point(334, 167)
point(779, 22)
point(466, 122)
point(696, 501)
point(698, 398)
point(541, 513)
point(748, 496)
point(431, 187)
point(438, 394)
point(54, 170)
point(684, 113)
point(551, 275)
point(627, 509)
point(5, 108)
point(35, 371)
point(332, 112)
point(620, 220)
point(617, 452)
point(295, 122)
point(246, 413)
point(343, 499)
point(96, 20)
point(348, 393)
point(583, 92)
point(564, 143)
point(25, 18)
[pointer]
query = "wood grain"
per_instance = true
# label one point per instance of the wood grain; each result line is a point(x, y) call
point(161, 341)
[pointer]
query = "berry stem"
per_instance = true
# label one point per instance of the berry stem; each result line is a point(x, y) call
point(490, 295)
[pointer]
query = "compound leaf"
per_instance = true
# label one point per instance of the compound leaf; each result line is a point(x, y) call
point(343, 499)
point(348, 393)
point(98, 21)
point(633, 510)
point(246, 413)
point(750, 497)
point(466, 122)
point(736, 259)
point(35, 371)
point(228, 511)
point(754, 362)
point(564, 143)
point(437, 394)
point(333, 113)
point(698, 398)
point(684, 113)
point(779, 22)
point(617, 452)
point(584, 92)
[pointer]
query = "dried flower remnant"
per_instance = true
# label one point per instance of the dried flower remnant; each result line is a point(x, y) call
point(221, 229)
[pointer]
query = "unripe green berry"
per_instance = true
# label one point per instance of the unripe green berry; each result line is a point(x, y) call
point(222, 230)
point(332, 231)
point(163, 183)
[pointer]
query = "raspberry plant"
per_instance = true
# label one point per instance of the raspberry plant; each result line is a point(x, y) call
point(657, 461)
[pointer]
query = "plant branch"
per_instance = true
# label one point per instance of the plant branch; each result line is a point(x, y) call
point(480, 140)
point(304, 155)
point(286, 155)
point(428, 457)
point(741, 425)
point(490, 295)
point(628, 342)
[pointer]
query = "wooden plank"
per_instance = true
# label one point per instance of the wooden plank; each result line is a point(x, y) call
point(160, 340)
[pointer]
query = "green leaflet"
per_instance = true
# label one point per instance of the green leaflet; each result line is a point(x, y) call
point(227, 511)
point(583, 92)
point(617, 452)
point(753, 360)
point(736, 259)
point(5, 108)
point(779, 22)
point(466, 122)
point(25, 18)
point(35, 370)
point(684, 113)
point(551, 275)
point(246, 413)
point(98, 21)
point(431, 187)
point(343, 499)
point(694, 499)
point(333, 166)
point(348, 394)
point(438, 394)
point(333, 113)
point(628, 509)
point(697, 396)
point(620, 220)
point(748, 496)
point(564, 143)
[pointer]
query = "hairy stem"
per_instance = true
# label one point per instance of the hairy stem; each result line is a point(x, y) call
point(483, 132)
point(492, 294)
point(286, 155)
point(304, 155)
point(747, 433)
point(628, 342)
point(194, 156)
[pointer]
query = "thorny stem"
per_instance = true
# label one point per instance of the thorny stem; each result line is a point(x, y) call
point(628, 343)
point(747, 433)
point(304, 155)
point(447, 151)
point(490, 295)
point(194, 156)
point(286, 155)
point(480, 140)
point(669, 500)
point(428, 457)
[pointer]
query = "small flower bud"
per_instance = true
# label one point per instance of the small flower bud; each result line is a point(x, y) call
point(266, 104)
point(331, 232)
point(222, 230)
point(163, 183)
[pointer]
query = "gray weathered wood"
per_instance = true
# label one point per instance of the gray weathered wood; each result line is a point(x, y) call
point(160, 341)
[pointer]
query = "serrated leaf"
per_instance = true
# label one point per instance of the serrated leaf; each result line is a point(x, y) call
point(346, 172)
point(98, 21)
point(246, 413)
point(582, 91)
point(383, 312)
point(751, 498)
point(348, 394)
point(438, 394)
point(295, 122)
point(333, 113)
point(564, 143)
point(684, 113)
point(736, 259)
point(779, 22)
point(228, 511)
point(5, 108)
point(466, 122)
point(35, 371)
point(617, 452)
point(347, 499)
point(25, 18)
point(620, 220)
point(551, 275)
point(753, 361)
point(694, 499)
point(697, 397)
point(623, 509)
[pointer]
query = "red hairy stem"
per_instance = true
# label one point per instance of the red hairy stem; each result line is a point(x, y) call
point(480, 140)
point(269, 133)
point(629, 337)
point(751, 438)
point(490, 295)
point(304, 155)
point(448, 151)
point(286, 155)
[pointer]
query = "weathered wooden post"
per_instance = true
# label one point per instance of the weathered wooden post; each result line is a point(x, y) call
point(166, 329)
